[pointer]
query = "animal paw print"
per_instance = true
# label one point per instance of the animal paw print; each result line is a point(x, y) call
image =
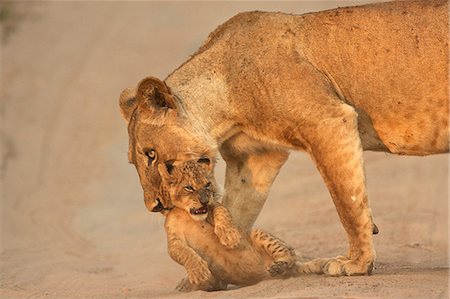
point(228, 236)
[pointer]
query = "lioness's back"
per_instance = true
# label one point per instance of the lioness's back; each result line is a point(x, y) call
point(388, 60)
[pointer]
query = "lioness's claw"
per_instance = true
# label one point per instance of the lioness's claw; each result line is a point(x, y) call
point(341, 266)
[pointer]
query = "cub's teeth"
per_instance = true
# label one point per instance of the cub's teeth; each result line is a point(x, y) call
point(199, 211)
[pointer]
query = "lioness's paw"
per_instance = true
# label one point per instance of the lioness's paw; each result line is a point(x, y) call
point(228, 236)
point(199, 273)
point(342, 266)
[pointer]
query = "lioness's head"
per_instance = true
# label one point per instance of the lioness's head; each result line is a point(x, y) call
point(190, 185)
point(159, 133)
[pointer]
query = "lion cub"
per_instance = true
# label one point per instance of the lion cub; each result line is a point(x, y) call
point(202, 237)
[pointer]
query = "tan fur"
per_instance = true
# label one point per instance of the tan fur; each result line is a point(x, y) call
point(331, 83)
point(213, 250)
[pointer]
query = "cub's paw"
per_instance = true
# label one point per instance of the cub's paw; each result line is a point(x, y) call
point(184, 285)
point(212, 284)
point(199, 273)
point(228, 236)
point(280, 268)
point(343, 266)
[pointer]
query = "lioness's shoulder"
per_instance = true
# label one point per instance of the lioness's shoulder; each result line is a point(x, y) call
point(241, 23)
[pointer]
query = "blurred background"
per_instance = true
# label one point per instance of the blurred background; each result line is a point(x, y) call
point(73, 222)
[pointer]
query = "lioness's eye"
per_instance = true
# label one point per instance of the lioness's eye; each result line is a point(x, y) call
point(208, 185)
point(151, 155)
point(189, 188)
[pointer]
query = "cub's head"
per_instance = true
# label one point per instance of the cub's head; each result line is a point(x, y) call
point(159, 133)
point(190, 186)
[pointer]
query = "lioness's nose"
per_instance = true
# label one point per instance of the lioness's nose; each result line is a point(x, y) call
point(159, 207)
point(152, 207)
point(203, 196)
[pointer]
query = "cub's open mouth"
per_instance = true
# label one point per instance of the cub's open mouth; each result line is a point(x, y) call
point(200, 211)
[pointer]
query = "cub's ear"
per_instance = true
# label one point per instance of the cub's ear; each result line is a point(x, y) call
point(127, 103)
point(205, 162)
point(153, 93)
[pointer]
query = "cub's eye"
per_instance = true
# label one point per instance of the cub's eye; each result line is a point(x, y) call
point(189, 189)
point(208, 185)
point(151, 155)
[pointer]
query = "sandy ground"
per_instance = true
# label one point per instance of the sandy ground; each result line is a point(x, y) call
point(73, 222)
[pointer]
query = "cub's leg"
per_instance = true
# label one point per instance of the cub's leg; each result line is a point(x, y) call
point(224, 227)
point(248, 180)
point(284, 256)
point(196, 267)
point(338, 155)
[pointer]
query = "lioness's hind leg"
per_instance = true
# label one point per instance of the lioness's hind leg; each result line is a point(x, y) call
point(284, 256)
point(338, 155)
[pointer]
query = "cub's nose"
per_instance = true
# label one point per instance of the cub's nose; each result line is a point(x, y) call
point(203, 196)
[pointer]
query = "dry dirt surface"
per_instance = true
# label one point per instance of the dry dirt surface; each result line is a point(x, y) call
point(73, 222)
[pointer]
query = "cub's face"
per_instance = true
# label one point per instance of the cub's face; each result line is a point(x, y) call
point(190, 186)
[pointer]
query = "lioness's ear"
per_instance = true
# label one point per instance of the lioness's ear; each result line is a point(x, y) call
point(127, 103)
point(155, 94)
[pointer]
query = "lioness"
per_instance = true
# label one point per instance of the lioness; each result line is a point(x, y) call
point(202, 237)
point(332, 84)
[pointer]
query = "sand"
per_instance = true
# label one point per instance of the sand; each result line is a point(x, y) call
point(73, 222)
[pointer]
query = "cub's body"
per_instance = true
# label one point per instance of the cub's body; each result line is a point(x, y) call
point(202, 236)
point(246, 264)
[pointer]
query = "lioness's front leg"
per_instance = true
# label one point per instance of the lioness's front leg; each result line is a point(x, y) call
point(338, 155)
point(248, 180)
